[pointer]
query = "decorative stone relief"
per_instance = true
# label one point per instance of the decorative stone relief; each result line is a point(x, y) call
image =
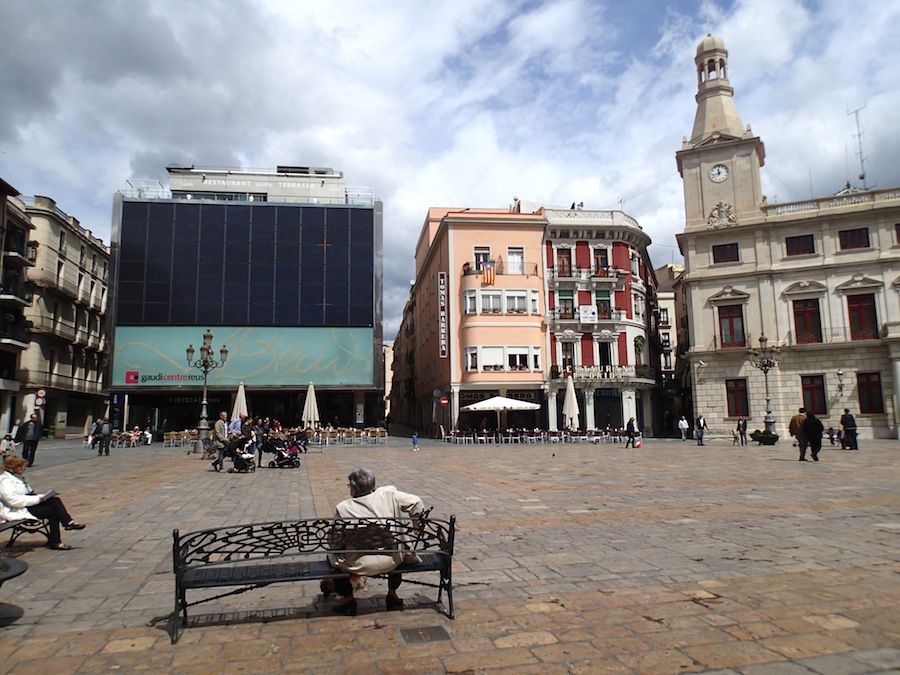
point(722, 215)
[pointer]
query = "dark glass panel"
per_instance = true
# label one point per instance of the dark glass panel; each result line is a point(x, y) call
point(210, 314)
point(156, 313)
point(131, 271)
point(209, 294)
point(336, 314)
point(156, 292)
point(133, 251)
point(210, 272)
point(184, 314)
point(131, 291)
point(359, 315)
point(237, 273)
point(129, 313)
point(262, 274)
point(134, 222)
point(285, 314)
point(287, 294)
point(235, 314)
point(287, 273)
point(212, 223)
point(161, 226)
point(311, 315)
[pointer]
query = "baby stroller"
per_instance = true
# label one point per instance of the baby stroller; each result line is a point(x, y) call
point(286, 453)
point(243, 460)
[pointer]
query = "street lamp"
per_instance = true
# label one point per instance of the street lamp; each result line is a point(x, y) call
point(205, 363)
point(764, 359)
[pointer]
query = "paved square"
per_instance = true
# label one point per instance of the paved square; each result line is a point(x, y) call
point(569, 558)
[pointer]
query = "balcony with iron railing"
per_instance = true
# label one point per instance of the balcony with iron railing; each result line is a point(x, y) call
point(48, 279)
point(599, 374)
point(608, 277)
point(741, 341)
point(14, 291)
point(831, 335)
point(507, 268)
point(14, 332)
point(61, 328)
point(17, 249)
point(39, 378)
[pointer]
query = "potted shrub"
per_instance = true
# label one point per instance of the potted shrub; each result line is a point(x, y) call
point(764, 437)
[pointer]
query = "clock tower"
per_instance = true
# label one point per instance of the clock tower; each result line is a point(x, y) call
point(720, 163)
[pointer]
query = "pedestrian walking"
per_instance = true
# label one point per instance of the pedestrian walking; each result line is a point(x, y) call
point(813, 428)
point(630, 432)
point(105, 435)
point(29, 435)
point(848, 424)
point(683, 426)
point(741, 430)
point(701, 429)
point(796, 430)
point(415, 441)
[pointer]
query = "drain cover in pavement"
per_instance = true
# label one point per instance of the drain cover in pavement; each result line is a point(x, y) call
point(424, 634)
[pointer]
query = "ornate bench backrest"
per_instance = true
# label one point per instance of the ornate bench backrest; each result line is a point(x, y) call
point(304, 537)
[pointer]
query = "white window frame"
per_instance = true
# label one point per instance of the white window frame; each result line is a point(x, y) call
point(517, 267)
point(470, 302)
point(536, 358)
point(480, 254)
point(492, 358)
point(491, 302)
point(516, 302)
point(471, 356)
point(535, 302)
point(520, 354)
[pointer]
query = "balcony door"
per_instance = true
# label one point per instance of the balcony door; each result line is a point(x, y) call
point(564, 262)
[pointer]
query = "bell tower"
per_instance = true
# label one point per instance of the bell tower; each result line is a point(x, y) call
point(719, 164)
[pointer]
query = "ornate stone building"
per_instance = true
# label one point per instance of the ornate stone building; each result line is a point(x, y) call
point(818, 279)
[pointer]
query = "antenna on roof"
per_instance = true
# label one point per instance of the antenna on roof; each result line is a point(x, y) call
point(859, 135)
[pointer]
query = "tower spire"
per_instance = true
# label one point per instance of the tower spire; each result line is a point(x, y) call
point(716, 112)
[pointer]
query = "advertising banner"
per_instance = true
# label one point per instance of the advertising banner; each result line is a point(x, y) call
point(154, 356)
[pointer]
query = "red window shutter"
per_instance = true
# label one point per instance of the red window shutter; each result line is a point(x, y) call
point(584, 298)
point(550, 254)
point(582, 255)
point(552, 348)
point(621, 256)
point(551, 300)
point(587, 350)
point(623, 350)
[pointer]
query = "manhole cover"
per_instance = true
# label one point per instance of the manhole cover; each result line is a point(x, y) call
point(424, 634)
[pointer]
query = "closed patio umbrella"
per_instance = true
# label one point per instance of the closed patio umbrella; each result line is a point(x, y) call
point(570, 405)
point(240, 403)
point(310, 415)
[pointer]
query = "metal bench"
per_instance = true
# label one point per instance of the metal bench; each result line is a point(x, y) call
point(20, 527)
point(247, 557)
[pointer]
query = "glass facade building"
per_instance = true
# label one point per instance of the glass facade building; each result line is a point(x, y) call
point(293, 287)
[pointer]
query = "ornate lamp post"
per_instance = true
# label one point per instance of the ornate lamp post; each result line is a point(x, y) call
point(764, 359)
point(205, 363)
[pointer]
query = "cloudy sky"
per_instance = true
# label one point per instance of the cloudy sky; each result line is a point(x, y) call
point(464, 103)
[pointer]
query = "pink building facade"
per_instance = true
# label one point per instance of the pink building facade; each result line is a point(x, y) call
point(510, 303)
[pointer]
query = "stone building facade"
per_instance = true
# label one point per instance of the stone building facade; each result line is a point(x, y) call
point(66, 355)
point(817, 279)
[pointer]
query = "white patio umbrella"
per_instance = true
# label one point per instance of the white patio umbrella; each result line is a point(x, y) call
point(498, 404)
point(570, 405)
point(310, 415)
point(240, 403)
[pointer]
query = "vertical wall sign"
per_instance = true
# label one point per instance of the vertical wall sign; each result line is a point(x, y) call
point(442, 314)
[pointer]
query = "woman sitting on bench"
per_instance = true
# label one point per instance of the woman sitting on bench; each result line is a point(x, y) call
point(19, 502)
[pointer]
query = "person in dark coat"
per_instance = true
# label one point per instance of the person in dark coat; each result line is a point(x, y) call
point(848, 425)
point(29, 435)
point(813, 428)
point(630, 432)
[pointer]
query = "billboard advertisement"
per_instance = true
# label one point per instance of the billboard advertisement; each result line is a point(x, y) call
point(154, 356)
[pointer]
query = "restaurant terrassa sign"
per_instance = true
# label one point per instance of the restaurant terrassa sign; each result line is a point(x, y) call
point(154, 356)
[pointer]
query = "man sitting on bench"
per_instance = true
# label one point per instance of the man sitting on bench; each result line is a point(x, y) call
point(368, 502)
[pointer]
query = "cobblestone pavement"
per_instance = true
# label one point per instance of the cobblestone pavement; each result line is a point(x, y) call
point(569, 558)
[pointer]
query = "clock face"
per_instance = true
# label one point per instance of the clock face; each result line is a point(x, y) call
point(718, 173)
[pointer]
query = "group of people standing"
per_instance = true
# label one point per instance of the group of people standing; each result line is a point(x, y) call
point(243, 432)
